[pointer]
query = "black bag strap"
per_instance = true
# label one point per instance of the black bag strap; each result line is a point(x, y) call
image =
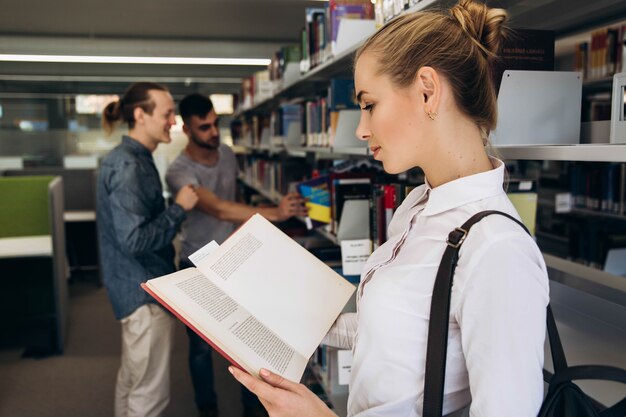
point(604, 372)
point(438, 333)
point(556, 348)
point(439, 315)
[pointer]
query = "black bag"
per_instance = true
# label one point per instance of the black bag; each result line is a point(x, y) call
point(564, 398)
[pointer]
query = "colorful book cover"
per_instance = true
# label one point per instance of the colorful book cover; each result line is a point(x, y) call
point(317, 194)
point(361, 9)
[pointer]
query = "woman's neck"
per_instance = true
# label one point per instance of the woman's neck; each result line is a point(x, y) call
point(459, 152)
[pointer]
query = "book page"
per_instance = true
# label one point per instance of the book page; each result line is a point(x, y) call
point(229, 326)
point(279, 282)
point(204, 251)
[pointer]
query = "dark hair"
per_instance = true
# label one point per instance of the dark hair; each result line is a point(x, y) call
point(194, 105)
point(137, 95)
point(460, 43)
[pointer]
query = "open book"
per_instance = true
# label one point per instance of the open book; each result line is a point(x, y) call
point(260, 299)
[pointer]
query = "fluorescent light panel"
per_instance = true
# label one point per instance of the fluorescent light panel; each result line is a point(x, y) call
point(95, 59)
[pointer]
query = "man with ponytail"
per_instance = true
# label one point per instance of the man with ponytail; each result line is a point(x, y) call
point(135, 231)
point(426, 96)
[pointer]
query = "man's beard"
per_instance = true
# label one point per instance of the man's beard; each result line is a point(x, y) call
point(205, 145)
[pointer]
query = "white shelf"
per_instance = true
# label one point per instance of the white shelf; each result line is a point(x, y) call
point(73, 216)
point(26, 246)
point(275, 197)
point(301, 151)
point(327, 235)
point(362, 151)
point(585, 152)
point(272, 196)
point(589, 280)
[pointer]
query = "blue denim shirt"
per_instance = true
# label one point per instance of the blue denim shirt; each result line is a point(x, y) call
point(135, 229)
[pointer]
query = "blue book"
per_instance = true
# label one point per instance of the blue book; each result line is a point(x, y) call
point(341, 94)
point(316, 191)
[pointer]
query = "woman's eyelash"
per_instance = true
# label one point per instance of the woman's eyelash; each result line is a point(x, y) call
point(369, 107)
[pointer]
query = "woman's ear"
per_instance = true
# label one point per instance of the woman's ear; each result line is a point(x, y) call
point(429, 85)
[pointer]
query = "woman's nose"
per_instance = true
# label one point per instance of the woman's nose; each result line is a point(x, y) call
point(362, 131)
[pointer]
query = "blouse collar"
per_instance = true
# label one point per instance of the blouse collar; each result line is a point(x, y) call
point(465, 190)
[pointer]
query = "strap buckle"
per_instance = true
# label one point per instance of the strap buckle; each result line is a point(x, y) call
point(456, 237)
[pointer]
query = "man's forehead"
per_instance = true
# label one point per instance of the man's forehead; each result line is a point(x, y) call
point(210, 118)
point(162, 98)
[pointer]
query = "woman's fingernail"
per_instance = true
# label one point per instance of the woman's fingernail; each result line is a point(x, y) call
point(264, 372)
point(231, 370)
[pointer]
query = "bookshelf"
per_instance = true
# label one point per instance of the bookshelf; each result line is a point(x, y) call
point(310, 82)
point(582, 152)
point(575, 275)
point(589, 280)
point(602, 292)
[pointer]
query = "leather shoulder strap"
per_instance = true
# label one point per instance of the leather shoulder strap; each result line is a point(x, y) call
point(440, 312)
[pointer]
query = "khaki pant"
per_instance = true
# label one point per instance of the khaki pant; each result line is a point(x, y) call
point(143, 381)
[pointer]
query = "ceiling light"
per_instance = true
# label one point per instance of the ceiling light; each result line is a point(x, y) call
point(95, 59)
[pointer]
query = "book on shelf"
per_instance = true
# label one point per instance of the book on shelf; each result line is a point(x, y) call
point(279, 66)
point(523, 195)
point(316, 191)
point(260, 299)
point(598, 186)
point(333, 367)
point(315, 123)
point(341, 94)
point(603, 54)
point(524, 49)
point(347, 9)
point(313, 38)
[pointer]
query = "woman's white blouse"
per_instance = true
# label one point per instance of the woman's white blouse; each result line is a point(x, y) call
point(497, 314)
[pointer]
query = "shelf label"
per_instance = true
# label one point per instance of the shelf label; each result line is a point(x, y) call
point(354, 253)
point(563, 203)
point(344, 366)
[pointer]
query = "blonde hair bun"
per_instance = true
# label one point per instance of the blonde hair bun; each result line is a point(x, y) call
point(485, 26)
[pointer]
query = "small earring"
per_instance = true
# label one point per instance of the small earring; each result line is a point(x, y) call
point(431, 114)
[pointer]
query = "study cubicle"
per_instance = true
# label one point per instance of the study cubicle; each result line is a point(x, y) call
point(79, 200)
point(34, 296)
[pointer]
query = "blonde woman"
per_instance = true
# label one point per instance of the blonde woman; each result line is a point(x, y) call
point(424, 86)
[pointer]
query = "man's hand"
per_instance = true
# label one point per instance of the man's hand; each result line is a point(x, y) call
point(283, 398)
point(291, 205)
point(187, 197)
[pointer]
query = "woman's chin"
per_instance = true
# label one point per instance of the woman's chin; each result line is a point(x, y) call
point(391, 168)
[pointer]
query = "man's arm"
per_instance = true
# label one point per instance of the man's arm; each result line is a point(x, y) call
point(210, 203)
point(136, 231)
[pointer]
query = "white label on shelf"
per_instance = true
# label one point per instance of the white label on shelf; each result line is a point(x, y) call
point(344, 366)
point(563, 203)
point(354, 253)
point(525, 185)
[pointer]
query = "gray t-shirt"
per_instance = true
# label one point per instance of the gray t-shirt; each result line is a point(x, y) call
point(200, 228)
